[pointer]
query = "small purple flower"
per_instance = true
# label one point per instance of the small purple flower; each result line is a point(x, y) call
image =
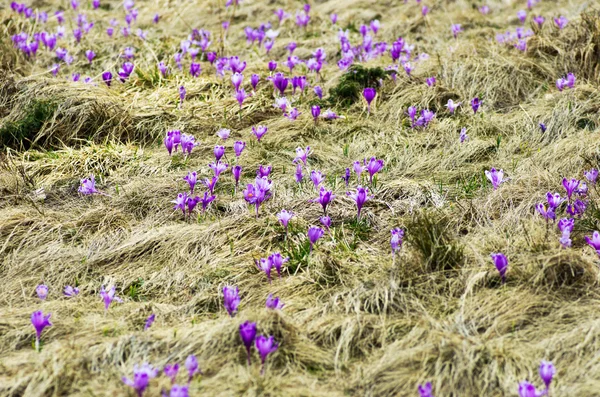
point(463, 135)
point(522, 15)
point(594, 241)
point(141, 378)
point(318, 91)
point(456, 29)
point(238, 148)
point(265, 265)
point(554, 200)
point(334, 18)
point(206, 200)
point(219, 151)
point(570, 186)
point(71, 292)
point(277, 262)
point(430, 81)
point(254, 79)
point(265, 346)
point(272, 65)
point(218, 167)
point(315, 111)
point(39, 322)
point(170, 371)
point(425, 390)
point(396, 240)
point(501, 264)
point(495, 177)
point(259, 132)
point(591, 175)
point(373, 167)
point(547, 371)
point(561, 22)
point(88, 186)
point(274, 303)
point(542, 127)
point(263, 171)
point(317, 178)
point(346, 177)
point(325, 221)
point(539, 20)
point(280, 82)
point(107, 78)
point(231, 298)
point(360, 197)
point(236, 80)
point(546, 213)
point(149, 321)
point(248, 335)
point(325, 198)
point(314, 234)
point(224, 133)
point(109, 296)
point(241, 96)
point(369, 94)
point(195, 69)
point(298, 175)
point(42, 291)
point(475, 103)
point(291, 47)
point(526, 389)
point(191, 179)
point(192, 366)
point(302, 154)
point(284, 218)
point(237, 173)
point(182, 94)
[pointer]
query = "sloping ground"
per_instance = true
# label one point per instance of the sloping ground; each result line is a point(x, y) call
point(356, 321)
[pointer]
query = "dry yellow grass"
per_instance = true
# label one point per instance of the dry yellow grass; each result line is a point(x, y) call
point(355, 321)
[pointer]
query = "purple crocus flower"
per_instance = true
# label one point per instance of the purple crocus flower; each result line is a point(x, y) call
point(125, 71)
point(277, 261)
point(254, 79)
point(280, 82)
point(263, 171)
point(224, 133)
point(369, 94)
point(522, 15)
point(237, 173)
point(191, 179)
point(463, 135)
point(317, 178)
point(561, 22)
point(315, 111)
point(594, 241)
point(542, 127)
point(90, 55)
point(219, 151)
point(373, 167)
point(231, 298)
point(314, 234)
point(164, 70)
point(526, 389)
point(149, 321)
point(109, 296)
point(495, 177)
point(501, 264)
point(42, 291)
point(346, 177)
point(430, 81)
point(570, 186)
point(218, 167)
point(291, 47)
point(170, 371)
point(591, 175)
point(298, 175)
point(88, 186)
point(302, 154)
point(141, 378)
point(195, 69)
point(546, 213)
point(236, 80)
point(425, 390)
point(259, 132)
point(71, 292)
point(412, 113)
point(284, 218)
point(318, 91)
point(39, 322)
point(248, 335)
point(238, 148)
point(206, 200)
point(396, 240)
point(554, 200)
point(547, 371)
point(265, 346)
point(107, 78)
point(265, 265)
point(425, 10)
point(192, 366)
point(456, 29)
point(334, 18)
point(325, 221)
point(272, 66)
point(360, 197)
point(273, 303)
point(211, 183)
point(188, 143)
point(241, 96)
point(475, 103)
point(484, 9)
point(325, 198)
